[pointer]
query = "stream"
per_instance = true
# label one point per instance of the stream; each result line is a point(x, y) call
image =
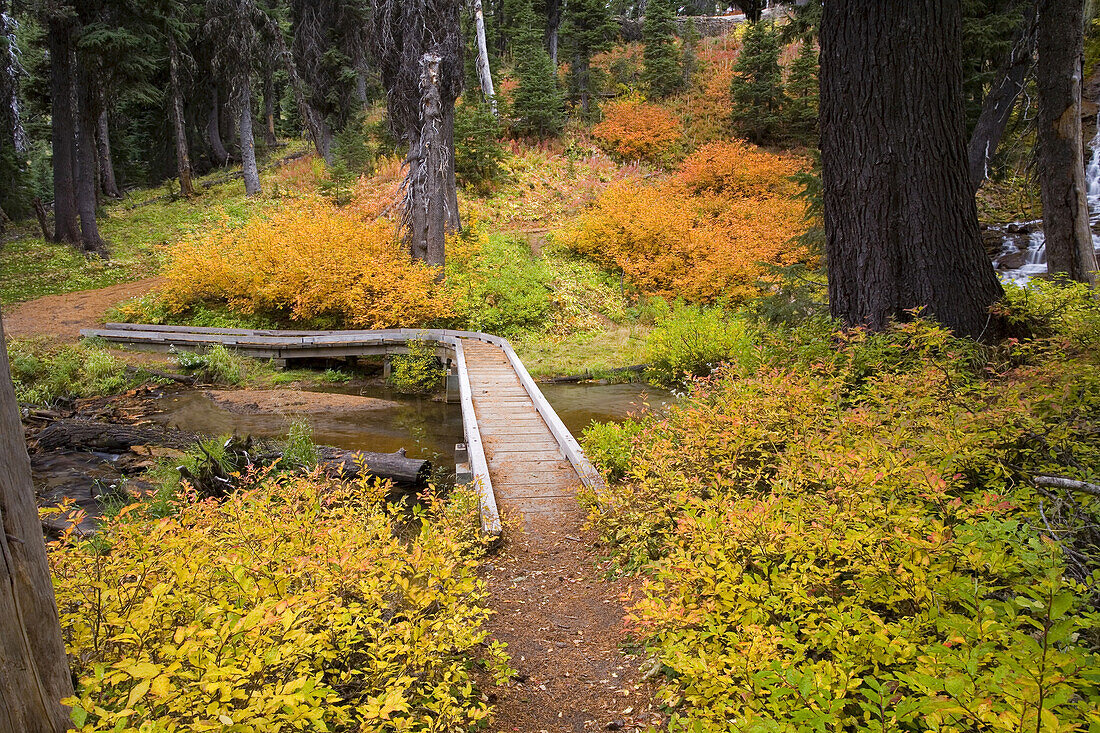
point(424, 427)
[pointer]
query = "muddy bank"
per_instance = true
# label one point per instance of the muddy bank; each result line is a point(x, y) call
point(292, 401)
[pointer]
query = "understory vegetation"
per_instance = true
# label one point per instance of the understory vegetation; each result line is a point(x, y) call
point(264, 612)
point(842, 530)
point(43, 372)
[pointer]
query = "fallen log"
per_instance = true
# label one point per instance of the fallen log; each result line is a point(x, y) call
point(348, 465)
point(83, 434)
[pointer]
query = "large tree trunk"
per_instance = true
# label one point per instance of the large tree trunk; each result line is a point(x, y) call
point(484, 74)
point(248, 144)
point(34, 671)
point(183, 157)
point(1060, 156)
point(87, 119)
point(213, 128)
point(426, 199)
point(553, 25)
point(62, 119)
point(901, 224)
point(269, 108)
point(106, 163)
point(998, 103)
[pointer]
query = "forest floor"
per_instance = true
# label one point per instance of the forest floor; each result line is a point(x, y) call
point(60, 317)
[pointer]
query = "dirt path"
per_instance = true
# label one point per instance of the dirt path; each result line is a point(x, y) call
point(62, 316)
point(563, 623)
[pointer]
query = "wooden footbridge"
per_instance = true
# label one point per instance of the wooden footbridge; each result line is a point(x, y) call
point(518, 453)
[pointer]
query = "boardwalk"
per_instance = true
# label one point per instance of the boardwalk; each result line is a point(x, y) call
point(524, 461)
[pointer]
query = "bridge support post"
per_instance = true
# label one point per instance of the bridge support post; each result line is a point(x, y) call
point(453, 392)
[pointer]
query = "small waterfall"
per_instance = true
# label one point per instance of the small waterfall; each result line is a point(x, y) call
point(13, 69)
point(1018, 264)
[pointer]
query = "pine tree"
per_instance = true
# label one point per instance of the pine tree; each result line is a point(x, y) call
point(538, 107)
point(589, 29)
point(757, 86)
point(802, 95)
point(689, 53)
point(662, 75)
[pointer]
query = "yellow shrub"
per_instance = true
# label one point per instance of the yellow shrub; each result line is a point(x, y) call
point(703, 234)
point(289, 606)
point(302, 262)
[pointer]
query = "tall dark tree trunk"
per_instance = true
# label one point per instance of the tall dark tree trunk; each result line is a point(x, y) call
point(269, 108)
point(87, 119)
point(248, 144)
point(553, 25)
point(426, 195)
point(998, 103)
point(1059, 154)
point(213, 128)
point(63, 124)
point(901, 224)
point(581, 75)
point(179, 125)
point(34, 671)
point(106, 162)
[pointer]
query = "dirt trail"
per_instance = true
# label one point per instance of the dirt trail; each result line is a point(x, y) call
point(563, 624)
point(62, 316)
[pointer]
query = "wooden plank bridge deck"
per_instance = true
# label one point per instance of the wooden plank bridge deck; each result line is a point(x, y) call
point(523, 460)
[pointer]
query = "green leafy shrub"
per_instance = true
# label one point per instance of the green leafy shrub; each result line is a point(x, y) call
point(417, 372)
point(217, 365)
point(299, 450)
point(264, 612)
point(690, 341)
point(42, 372)
point(496, 284)
point(610, 446)
point(846, 537)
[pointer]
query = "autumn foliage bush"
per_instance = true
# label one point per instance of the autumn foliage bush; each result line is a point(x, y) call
point(840, 533)
point(306, 261)
point(702, 233)
point(634, 129)
point(291, 605)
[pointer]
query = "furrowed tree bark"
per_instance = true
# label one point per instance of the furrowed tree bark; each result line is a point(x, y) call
point(62, 121)
point(1060, 156)
point(87, 118)
point(484, 74)
point(248, 144)
point(269, 108)
point(34, 671)
point(901, 223)
point(183, 157)
point(213, 128)
point(553, 26)
point(428, 203)
point(107, 181)
point(1002, 96)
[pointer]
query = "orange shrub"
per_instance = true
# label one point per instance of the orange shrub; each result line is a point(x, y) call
point(304, 261)
point(736, 168)
point(634, 129)
point(703, 233)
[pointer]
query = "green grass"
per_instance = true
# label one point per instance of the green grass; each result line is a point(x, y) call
point(616, 345)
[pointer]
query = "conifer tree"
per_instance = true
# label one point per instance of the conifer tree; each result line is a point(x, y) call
point(802, 95)
point(689, 53)
point(538, 107)
point(589, 29)
point(662, 75)
point(757, 86)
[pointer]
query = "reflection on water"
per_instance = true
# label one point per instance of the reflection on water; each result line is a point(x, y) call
point(579, 404)
point(425, 428)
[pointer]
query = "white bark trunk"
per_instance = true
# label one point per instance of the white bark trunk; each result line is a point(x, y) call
point(483, 72)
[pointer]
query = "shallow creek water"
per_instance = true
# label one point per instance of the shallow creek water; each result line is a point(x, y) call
point(425, 428)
